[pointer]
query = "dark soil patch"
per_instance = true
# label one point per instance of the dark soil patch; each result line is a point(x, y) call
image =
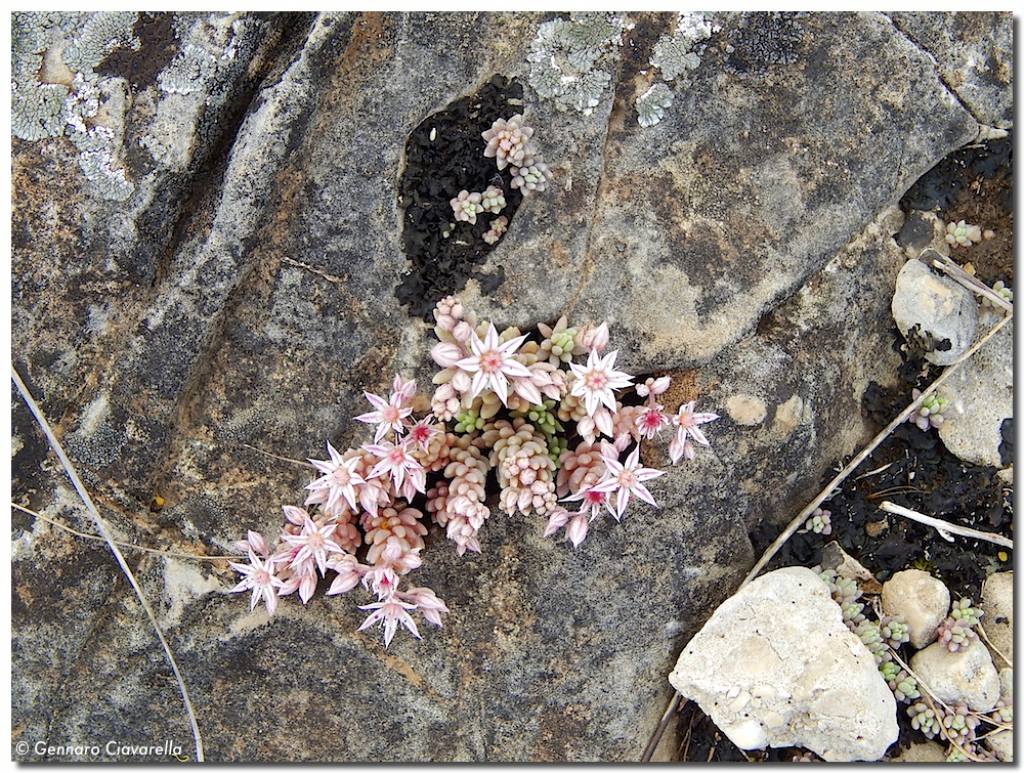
point(974, 184)
point(443, 156)
point(919, 473)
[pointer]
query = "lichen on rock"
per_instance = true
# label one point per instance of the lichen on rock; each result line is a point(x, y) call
point(678, 52)
point(652, 104)
point(75, 43)
point(564, 54)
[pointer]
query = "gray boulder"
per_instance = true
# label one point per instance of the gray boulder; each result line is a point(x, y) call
point(776, 666)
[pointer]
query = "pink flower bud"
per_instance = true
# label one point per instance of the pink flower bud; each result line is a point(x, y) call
point(295, 515)
point(576, 531)
point(445, 354)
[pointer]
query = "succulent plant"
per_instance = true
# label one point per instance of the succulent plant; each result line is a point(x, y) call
point(895, 631)
point(931, 411)
point(818, 522)
point(501, 403)
point(559, 344)
point(1000, 289)
point(963, 234)
point(498, 227)
point(467, 206)
point(870, 634)
point(530, 178)
point(508, 142)
point(902, 684)
point(493, 199)
point(960, 723)
point(1003, 711)
point(925, 718)
point(957, 631)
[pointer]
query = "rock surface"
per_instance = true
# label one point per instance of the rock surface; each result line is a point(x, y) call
point(983, 391)
point(775, 665)
point(971, 50)
point(923, 751)
point(966, 675)
point(934, 313)
point(920, 599)
point(205, 264)
point(997, 604)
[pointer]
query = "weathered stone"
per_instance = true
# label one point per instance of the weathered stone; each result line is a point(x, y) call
point(775, 665)
point(983, 394)
point(933, 312)
point(997, 604)
point(690, 233)
point(966, 675)
point(243, 295)
point(974, 53)
point(923, 751)
point(922, 601)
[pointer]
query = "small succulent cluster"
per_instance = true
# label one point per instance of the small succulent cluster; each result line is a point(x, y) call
point(931, 412)
point(956, 723)
point(927, 719)
point(1002, 291)
point(510, 144)
point(956, 632)
point(902, 684)
point(963, 234)
point(818, 522)
point(532, 416)
point(881, 637)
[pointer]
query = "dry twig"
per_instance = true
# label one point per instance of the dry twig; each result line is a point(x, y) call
point(101, 526)
point(945, 529)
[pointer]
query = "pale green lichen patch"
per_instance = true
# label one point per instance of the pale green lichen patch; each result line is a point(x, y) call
point(66, 48)
point(651, 105)
point(679, 52)
point(564, 54)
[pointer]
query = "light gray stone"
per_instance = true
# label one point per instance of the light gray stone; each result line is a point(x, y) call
point(934, 311)
point(775, 665)
point(997, 604)
point(966, 675)
point(920, 599)
point(982, 396)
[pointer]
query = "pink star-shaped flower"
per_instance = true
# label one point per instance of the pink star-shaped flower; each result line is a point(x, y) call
point(314, 541)
point(390, 613)
point(406, 473)
point(258, 576)
point(492, 364)
point(687, 421)
point(597, 381)
point(340, 479)
point(625, 480)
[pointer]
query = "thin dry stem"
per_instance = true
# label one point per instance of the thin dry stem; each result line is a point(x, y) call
point(98, 538)
point(949, 266)
point(843, 474)
point(101, 526)
point(945, 528)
